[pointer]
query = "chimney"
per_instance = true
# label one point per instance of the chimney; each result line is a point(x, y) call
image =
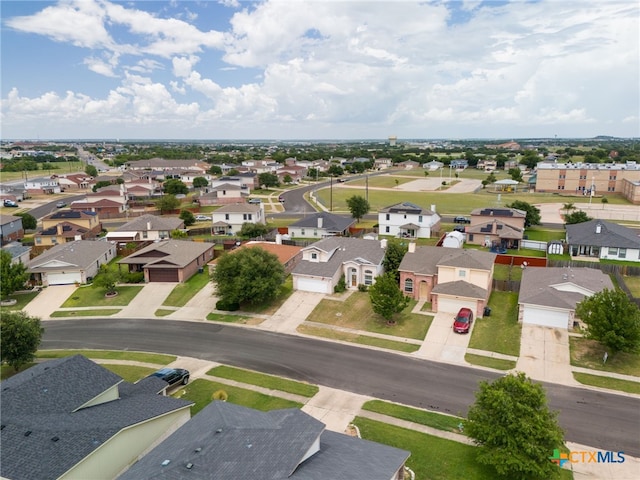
point(319, 222)
point(149, 225)
point(433, 208)
point(383, 243)
point(598, 228)
point(59, 229)
point(412, 247)
point(278, 239)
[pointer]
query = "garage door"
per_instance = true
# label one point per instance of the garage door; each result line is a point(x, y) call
point(163, 275)
point(545, 317)
point(453, 304)
point(64, 278)
point(312, 285)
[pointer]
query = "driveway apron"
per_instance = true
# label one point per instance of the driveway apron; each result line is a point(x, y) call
point(544, 354)
point(147, 301)
point(441, 343)
point(292, 312)
point(49, 300)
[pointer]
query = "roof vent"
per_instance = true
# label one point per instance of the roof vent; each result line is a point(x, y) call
point(219, 430)
point(2, 427)
point(598, 228)
point(198, 450)
point(165, 463)
point(55, 439)
point(27, 433)
point(189, 466)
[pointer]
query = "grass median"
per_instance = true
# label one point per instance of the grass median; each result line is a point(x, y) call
point(447, 423)
point(263, 380)
point(359, 339)
point(608, 382)
point(98, 312)
point(155, 358)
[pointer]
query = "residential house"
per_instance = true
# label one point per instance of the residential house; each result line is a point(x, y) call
point(288, 255)
point(548, 296)
point(228, 220)
point(11, 229)
point(19, 253)
point(408, 165)
point(487, 164)
point(170, 260)
point(500, 226)
point(227, 441)
point(68, 225)
point(320, 225)
point(459, 163)
point(382, 163)
point(433, 165)
point(325, 261)
point(70, 418)
point(73, 262)
point(74, 181)
point(223, 194)
point(163, 165)
point(104, 208)
point(603, 240)
point(245, 183)
point(296, 173)
point(408, 220)
point(42, 185)
point(146, 228)
point(449, 278)
point(116, 193)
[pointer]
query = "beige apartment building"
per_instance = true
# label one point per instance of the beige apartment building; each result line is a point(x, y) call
point(581, 178)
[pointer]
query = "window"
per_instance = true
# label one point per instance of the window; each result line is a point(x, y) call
point(246, 216)
point(38, 240)
point(145, 234)
point(613, 251)
point(226, 216)
point(388, 217)
point(368, 277)
point(471, 237)
point(462, 273)
point(622, 253)
point(302, 232)
point(408, 285)
point(314, 256)
point(315, 232)
point(419, 218)
point(386, 229)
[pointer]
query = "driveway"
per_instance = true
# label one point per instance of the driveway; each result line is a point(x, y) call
point(441, 343)
point(49, 300)
point(293, 312)
point(145, 304)
point(544, 354)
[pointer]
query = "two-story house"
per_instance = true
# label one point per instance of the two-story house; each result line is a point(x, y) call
point(42, 185)
point(222, 194)
point(408, 220)
point(228, 220)
point(10, 229)
point(66, 226)
point(500, 226)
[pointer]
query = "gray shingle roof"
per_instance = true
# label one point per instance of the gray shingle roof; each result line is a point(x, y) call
point(343, 249)
point(460, 288)
point(425, 260)
point(499, 212)
point(543, 286)
point(178, 253)
point(45, 401)
point(611, 235)
point(330, 222)
point(406, 207)
point(141, 224)
point(238, 208)
point(80, 253)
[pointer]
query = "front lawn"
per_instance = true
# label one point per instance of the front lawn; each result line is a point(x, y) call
point(501, 331)
point(200, 391)
point(359, 339)
point(263, 380)
point(589, 354)
point(356, 313)
point(231, 318)
point(92, 296)
point(607, 382)
point(184, 292)
point(269, 308)
point(156, 358)
point(448, 423)
point(22, 299)
point(130, 373)
point(490, 362)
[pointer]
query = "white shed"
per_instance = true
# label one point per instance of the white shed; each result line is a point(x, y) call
point(453, 240)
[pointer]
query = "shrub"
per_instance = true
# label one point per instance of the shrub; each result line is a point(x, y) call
point(133, 277)
point(227, 306)
point(362, 287)
point(220, 395)
point(341, 286)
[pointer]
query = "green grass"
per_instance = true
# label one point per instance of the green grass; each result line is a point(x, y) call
point(93, 296)
point(633, 284)
point(163, 312)
point(440, 421)
point(266, 381)
point(184, 292)
point(607, 382)
point(7, 371)
point(382, 181)
point(22, 299)
point(589, 353)
point(104, 312)
point(228, 318)
point(542, 235)
point(154, 358)
point(130, 373)
point(359, 339)
point(501, 331)
point(484, 361)
point(501, 272)
point(356, 313)
point(269, 308)
point(199, 391)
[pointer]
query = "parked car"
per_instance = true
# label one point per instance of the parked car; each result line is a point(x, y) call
point(172, 376)
point(461, 219)
point(463, 320)
point(202, 218)
point(61, 204)
point(255, 201)
point(9, 203)
point(458, 228)
point(281, 199)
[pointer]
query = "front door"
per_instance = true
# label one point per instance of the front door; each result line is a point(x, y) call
point(354, 278)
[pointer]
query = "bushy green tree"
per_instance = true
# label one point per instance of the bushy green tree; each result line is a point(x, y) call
point(393, 256)
point(577, 216)
point(249, 275)
point(20, 336)
point(358, 206)
point(268, 180)
point(514, 428)
point(91, 170)
point(187, 217)
point(167, 203)
point(177, 233)
point(29, 222)
point(173, 186)
point(13, 276)
point(253, 230)
point(516, 174)
point(533, 212)
point(612, 319)
point(215, 170)
point(200, 182)
point(386, 297)
point(107, 279)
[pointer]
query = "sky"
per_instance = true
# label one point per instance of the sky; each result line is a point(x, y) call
point(327, 69)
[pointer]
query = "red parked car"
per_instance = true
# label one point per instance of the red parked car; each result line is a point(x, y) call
point(462, 322)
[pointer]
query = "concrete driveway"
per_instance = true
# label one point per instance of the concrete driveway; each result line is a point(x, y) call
point(293, 312)
point(441, 343)
point(147, 301)
point(544, 354)
point(49, 300)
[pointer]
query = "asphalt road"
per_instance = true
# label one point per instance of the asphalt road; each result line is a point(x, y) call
point(601, 420)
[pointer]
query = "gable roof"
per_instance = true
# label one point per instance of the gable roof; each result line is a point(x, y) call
point(460, 288)
point(98, 203)
point(5, 219)
point(167, 253)
point(426, 259)
point(551, 286)
point(611, 235)
point(238, 208)
point(331, 222)
point(145, 223)
point(227, 441)
point(283, 252)
point(341, 249)
point(80, 253)
point(69, 215)
point(47, 399)
point(69, 230)
point(407, 208)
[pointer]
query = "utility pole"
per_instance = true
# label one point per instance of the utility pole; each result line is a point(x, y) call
point(331, 193)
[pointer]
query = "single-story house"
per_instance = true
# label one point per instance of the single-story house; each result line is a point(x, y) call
point(70, 418)
point(19, 253)
point(73, 262)
point(408, 164)
point(325, 261)
point(449, 278)
point(433, 165)
point(42, 185)
point(170, 260)
point(146, 228)
point(105, 208)
point(228, 441)
point(10, 229)
point(408, 220)
point(604, 240)
point(548, 296)
point(320, 225)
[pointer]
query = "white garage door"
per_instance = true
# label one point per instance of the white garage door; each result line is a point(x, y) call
point(63, 278)
point(453, 304)
point(312, 285)
point(545, 317)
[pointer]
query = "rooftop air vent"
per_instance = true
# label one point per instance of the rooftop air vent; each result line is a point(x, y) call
point(27, 433)
point(55, 439)
point(165, 463)
point(198, 450)
point(189, 466)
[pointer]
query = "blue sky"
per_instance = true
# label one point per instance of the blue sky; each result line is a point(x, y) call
point(326, 69)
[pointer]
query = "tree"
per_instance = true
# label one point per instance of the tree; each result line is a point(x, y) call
point(173, 186)
point(516, 431)
point(612, 319)
point(516, 174)
point(578, 216)
point(167, 203)
point(177, 233)
point(200, 182)
point(29, 222)
point(91, 170)
point(253, 230)
point(394, 254)
point(12, 275)
point(358, 206)
point(335, 170)
point(604, 200)
point(187, 217)
point(215, 170)
point(107, 279)
point(250, 275)
point(21, 336)
point(287, 178)
point(386, 297)
point(568, 207)
point(533, 212)
point(101, 184)
point(268, 180)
